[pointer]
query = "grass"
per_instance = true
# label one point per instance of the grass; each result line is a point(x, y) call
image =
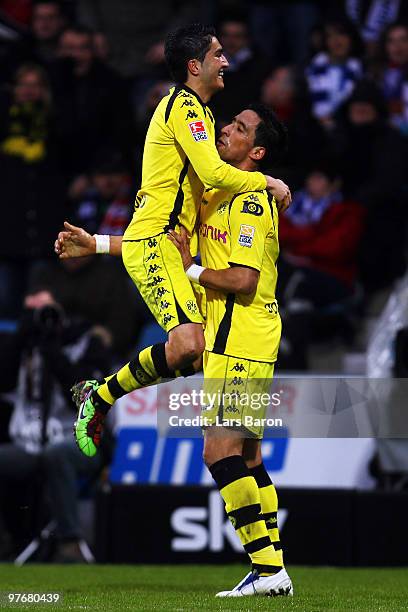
point(188, 588)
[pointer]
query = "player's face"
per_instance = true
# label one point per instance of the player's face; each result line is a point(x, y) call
point(212, 67)
point(236, 141)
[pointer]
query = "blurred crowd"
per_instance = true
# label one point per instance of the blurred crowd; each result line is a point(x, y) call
point(79, 81)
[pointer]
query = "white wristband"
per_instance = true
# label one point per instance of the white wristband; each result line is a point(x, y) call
point(102, 243)
point(194, 272)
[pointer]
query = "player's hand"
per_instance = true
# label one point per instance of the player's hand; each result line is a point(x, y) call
point(74, 242)
point(181, 240)
point(280, 191)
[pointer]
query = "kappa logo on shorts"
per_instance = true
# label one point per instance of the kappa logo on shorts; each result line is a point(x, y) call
point(153, 268)
point(161, 291)
point(197, 129)
point(246, 235)
point(238, 367)
point(191, 306)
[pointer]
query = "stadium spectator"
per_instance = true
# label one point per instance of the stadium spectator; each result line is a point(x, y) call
point(91, 101)
point(98, 291)
point(246, 65)
point(37, 44)
point(105, 207)
point(332, 74)
point(31, 184)
point(391, 74)
point(319, 237)
point(135, 30)
point(374, 168)
point(147, 105)
point(282, 29)
point(40, 361)
point(372, 17)
point(285, 92)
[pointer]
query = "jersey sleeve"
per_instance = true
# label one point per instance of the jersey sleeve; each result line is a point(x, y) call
point(194, 131)
point(250, 223)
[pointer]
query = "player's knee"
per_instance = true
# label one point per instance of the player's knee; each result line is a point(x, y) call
point(208, 457)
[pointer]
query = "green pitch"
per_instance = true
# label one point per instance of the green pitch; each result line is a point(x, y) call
point(189, 588)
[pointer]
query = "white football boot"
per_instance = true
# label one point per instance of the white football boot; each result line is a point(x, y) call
point(269, 586)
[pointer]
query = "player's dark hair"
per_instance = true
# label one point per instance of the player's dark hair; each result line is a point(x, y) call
point(187, 42)
point(270, 133)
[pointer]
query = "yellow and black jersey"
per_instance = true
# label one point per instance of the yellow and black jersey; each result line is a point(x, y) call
point(179, 158)
point(242, 230)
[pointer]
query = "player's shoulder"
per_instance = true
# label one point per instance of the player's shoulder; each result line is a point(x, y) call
point(184, 104)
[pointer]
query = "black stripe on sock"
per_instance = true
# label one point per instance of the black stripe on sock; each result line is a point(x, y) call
point(228, 470)
point(277, 545)
point(139, 373)
point(246, 515)
point(267, 516)
point(261, 476)
point(115, 388)
point(257, 544)
point(266, 569)
point(160, 361)
point(189, 371)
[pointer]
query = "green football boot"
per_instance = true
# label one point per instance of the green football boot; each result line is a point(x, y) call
point(89, 424)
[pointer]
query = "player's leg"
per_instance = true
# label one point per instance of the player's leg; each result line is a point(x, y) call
point(156, 268)
point(238, 488)
point(223, 448)
point(268, 496)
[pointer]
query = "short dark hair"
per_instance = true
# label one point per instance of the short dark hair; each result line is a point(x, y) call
point(185, 43)
point(270, 133)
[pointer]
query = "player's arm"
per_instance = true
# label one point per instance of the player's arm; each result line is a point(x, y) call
point(236, 279)
point(76, 242)
point(191, 129)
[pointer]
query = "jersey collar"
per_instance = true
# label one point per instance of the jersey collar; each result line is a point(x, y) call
point(192, 92)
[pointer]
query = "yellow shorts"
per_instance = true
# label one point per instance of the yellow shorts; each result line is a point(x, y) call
point(237, 393)
point(155, 266)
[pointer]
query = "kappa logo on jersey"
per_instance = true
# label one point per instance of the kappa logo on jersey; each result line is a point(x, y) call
point(197, 129)
point(246, 235)
point(191, 115)
point(222, 208)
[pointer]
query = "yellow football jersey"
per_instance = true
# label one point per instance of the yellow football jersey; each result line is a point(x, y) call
point(241, 229)
point(179, 158)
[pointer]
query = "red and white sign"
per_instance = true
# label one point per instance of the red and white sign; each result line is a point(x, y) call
point(197, 128)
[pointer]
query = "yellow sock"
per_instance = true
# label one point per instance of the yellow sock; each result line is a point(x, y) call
point(146, 369)
point(269, 505)
point(243, 506)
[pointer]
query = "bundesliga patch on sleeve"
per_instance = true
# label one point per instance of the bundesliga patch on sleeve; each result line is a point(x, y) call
point(197, 129)
point(246, 235)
